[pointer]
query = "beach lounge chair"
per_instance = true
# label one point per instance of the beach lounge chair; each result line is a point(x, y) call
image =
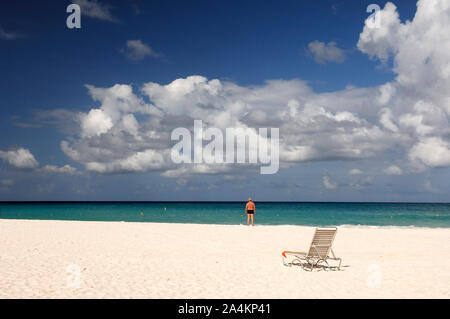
point(318, 253)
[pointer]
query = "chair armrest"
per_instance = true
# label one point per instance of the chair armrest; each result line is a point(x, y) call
point(293, 253)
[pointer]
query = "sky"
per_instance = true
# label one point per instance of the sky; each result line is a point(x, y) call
point(362, 105)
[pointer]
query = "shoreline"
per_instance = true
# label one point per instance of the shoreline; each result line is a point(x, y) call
point(362, 226)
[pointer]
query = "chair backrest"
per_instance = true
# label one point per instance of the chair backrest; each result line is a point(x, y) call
point(322, 241)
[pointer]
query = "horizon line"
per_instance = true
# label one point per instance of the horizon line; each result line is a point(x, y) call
point(212, 201)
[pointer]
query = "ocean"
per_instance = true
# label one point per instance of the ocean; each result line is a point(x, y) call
point(232, 213)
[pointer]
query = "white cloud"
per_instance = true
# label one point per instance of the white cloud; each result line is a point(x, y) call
point(387, 121)
point(23, 159)
point(136, 50)
point(95, 9)
point(20, 158)
point(381, 42)
point(324, 53)
point(329, 183)
point(408, 116)
point(66, 169)
point(314, 126)
point(355, 171)
point(131, 125)
point(393, 170)
point(137, 162)
point(196, 169)
point(95, 123)
point(418, 100)
point(433, 152)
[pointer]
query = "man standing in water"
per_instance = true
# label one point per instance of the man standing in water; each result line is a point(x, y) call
point(250, 210)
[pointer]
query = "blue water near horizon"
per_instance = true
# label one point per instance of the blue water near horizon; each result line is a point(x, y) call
point(232, 213)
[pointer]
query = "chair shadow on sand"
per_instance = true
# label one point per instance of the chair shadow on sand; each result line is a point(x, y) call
point(321, 266)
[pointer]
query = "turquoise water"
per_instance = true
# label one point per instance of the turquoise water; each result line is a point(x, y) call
point(310, 214)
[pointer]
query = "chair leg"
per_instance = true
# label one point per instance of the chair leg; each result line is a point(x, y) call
point(312, 265)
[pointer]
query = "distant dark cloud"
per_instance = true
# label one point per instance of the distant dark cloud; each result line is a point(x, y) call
point(136, 50)
point(326, 52)
point(65, 121)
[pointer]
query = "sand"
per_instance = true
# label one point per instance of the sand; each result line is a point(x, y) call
point(75, 259)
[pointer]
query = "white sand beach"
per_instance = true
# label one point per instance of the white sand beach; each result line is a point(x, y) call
point(40, 259)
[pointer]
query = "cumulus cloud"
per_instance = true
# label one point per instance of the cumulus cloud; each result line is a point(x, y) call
point(355, 171)
point(136, 50)
point(95, 123)
point(393, 170)
point(138, 162)
point(381, 42)
point(66, 169)
point(408, 117)
point(125, 130)
point(387, 121)
point(418, 100)
point(432, 151)
point(326, 52)
point(329, 183)
point(20, 158)
point(95, 9)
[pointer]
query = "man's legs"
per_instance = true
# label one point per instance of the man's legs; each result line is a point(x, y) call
point(248, 219)
point(252, 221)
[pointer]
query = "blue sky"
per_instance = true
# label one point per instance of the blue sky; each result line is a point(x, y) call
point(45, 68)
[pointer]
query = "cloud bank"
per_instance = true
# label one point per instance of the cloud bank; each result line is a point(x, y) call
point(129, 131)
